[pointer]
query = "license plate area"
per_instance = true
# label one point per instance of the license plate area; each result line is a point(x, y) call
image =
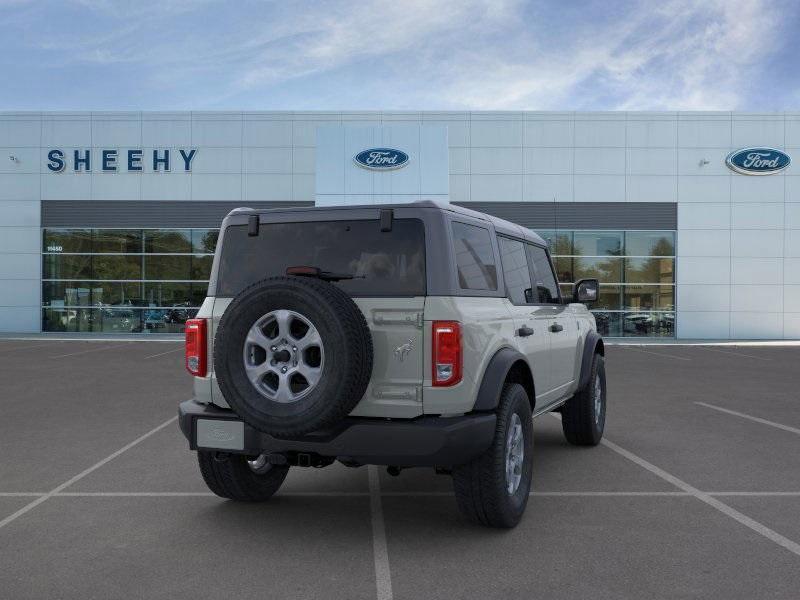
point(219, 434)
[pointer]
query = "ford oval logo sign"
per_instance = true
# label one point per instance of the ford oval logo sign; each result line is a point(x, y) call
point(758, 161)
point(381, 159)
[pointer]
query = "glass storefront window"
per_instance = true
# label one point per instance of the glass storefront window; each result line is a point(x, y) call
point(67, 240)
point(650, 243)
point(636, 270)
point(124, 280)
point(649, 297)
point(607, 270)
point(650, 270)
point(204, 241)
point(123, 241)
point(597, 243)
point(168, 241)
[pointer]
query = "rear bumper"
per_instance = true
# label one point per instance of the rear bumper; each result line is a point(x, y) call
point(425, 441)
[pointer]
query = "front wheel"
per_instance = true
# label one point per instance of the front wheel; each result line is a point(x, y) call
point(240, 478)
point(583, 417)
point(493, 489)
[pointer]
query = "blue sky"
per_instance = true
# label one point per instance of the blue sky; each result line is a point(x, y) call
point(400, 54)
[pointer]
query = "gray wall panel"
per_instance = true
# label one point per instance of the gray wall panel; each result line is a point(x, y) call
point(583, 215)
point(134, 213)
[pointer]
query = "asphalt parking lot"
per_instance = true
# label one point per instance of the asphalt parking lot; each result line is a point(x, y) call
point(694, 494)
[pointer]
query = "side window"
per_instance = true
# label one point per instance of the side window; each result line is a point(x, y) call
point(515, 270)
point(546, 286)
point(474, 257)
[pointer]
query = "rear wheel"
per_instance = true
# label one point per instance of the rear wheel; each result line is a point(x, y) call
point(240, 477)
point(493, 489)
point(583, 417)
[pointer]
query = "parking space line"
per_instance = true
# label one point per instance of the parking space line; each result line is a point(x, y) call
point(734, 514)
point(657, 353)
point(31, 505)
point(163, 353)
point(92, 350)
point(794, 430)
point(383, 576)
point(743, 354)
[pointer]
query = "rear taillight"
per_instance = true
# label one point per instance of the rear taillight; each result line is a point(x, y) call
point(446, 353)
point(196, 356)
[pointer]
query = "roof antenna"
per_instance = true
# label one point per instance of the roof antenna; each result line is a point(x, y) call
point(387, 216)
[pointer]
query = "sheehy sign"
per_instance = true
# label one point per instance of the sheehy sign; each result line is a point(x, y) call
point(111, 161)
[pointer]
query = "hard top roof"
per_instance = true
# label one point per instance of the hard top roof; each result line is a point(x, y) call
point(500, 225)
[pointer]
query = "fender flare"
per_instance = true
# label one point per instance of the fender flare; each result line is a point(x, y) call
point(591, 346)
point(494, 376)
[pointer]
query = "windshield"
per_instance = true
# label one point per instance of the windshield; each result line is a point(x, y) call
point(390, 263)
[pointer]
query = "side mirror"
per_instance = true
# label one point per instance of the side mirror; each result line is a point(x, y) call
point(529, 295)
point(586, 291)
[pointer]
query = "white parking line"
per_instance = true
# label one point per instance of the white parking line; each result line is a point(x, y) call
point(163, 353)
point(734, 514)
point(383, 576)
point(87, 351)
point(31, 505)
point(657, 353)
point(734, 353)
point(751, 418)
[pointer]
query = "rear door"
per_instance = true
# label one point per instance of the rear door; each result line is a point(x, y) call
point(530, 322)
point(561, 324)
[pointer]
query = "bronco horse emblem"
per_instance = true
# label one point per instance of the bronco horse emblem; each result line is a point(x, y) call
point(403, 350)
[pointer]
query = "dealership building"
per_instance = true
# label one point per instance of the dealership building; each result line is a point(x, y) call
point(690, 220)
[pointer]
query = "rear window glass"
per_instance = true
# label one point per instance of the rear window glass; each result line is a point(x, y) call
point(474, 257)
point(390, 263)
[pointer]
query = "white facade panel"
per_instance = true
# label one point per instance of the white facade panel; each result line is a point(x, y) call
point(762, 132)
point(267, 186)
point(496, 161)
point(15, 240)
point(17, 293)
point(548, 161)
point(757, 215)
point(496, 188)
point(756, 325)
point(708, 269)
point(19, 186)
point(700, 188)
point(652, 161)
point(546, 133)
point(698, 297)
point(71, 131)
point(763, 271)
point(599, 161)
point(756, 243)
point(599, 133)
point(758, 189)
point(216, 186)
point(695, 133)
point(704, 242)
point(753, 298)
point(115, 186)
point(495, 134)
point(20, 133)
point(547, 188)
point(651, 188)
point(660, 133)
point(21, 319)
point(166, 133)
point(704, 215)
point(166, 186)
point(116, 134)
point(599, 188)
point(712, 325)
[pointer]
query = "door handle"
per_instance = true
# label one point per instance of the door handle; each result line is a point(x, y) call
point(524, 331)
point(555, 328)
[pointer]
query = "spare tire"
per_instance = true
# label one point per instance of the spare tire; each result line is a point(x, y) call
point(292, 355)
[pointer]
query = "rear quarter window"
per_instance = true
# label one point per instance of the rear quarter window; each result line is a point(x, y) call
point(390, 263)
point(475, 261)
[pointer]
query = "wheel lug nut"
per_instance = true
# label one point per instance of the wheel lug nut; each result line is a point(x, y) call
point(273, 348)
point(294, 348)
point(284, 369)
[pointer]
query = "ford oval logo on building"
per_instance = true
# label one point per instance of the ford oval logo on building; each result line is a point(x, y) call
point(381, 159)
point(758, 161)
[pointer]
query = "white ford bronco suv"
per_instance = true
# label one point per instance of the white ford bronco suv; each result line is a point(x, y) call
point(404, 335)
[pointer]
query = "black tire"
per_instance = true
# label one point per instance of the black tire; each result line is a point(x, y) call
point(230, 476)
point(582, 423)
point(481, 485)
point(347, 366)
